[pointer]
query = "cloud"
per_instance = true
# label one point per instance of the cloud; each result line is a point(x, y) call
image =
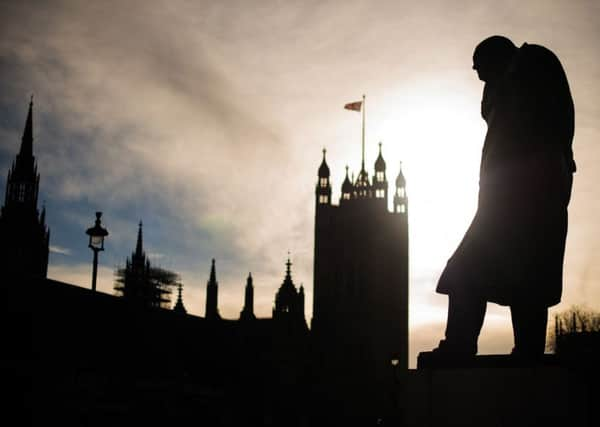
point(59, 250)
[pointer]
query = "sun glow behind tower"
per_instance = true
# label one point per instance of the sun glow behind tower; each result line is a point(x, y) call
point(437, 136)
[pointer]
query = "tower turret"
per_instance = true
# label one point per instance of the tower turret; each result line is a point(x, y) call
point(323, 190)
point(400, 199)
point(380, 184)
point(212, 289)
point(347, 189)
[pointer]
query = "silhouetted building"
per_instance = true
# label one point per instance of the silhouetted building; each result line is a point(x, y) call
point(360, 317)
point(288, 307)
point(23, 232)
point(253, 371)
point(134, 285)
point(141, 282)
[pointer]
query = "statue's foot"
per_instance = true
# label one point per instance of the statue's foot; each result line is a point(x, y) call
point(447, 355)
point(455, 349)
point(522, 356)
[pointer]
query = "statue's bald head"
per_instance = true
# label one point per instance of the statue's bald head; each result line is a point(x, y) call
point(492, 56)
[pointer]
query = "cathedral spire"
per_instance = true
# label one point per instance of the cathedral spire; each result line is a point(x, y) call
point(27, 139)
point(23, 232)
point(213, 274)
point(212, 289)
point(22, 183)
point(139, 246)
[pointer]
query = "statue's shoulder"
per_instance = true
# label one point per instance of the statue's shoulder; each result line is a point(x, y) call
point(537, 56)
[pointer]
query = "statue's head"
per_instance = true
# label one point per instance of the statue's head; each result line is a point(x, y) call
point(492, 57)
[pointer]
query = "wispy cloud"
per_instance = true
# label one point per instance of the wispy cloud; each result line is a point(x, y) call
point(59, 250)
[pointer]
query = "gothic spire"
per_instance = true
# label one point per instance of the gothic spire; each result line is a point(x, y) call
point(27, 139)
point(288, 269)
point(347, 188)
point(248, 310)
point(400, 180)
point(213, 274)
point(212, 295)
point(400, 199)
point(288, 283)
point(380, 163)
point(179, 307)
point(23, 232)
point(324, 169)
point(139, 247)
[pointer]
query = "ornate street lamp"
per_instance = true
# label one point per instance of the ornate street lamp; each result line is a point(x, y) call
point(97, 234)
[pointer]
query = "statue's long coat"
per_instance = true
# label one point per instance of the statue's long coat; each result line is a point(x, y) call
point(512, 253)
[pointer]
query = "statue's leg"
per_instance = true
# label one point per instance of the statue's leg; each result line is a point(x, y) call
point(529, 330)
point(465, 319)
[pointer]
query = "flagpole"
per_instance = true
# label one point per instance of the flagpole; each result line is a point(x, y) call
point(363, 132)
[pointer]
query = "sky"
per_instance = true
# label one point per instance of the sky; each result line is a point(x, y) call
point(206, 120)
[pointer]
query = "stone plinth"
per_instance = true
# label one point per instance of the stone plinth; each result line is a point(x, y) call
point(496, 391)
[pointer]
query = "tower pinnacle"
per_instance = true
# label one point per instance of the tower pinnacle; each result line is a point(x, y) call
point(248, 310)
point(288, 268)
point(212, 291)
point(179, 307)
point(213, 274)
point(139, 246)
point(26, 150)
point(289, 301)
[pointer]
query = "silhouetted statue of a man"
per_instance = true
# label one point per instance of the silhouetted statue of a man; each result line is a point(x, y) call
point(512, 253)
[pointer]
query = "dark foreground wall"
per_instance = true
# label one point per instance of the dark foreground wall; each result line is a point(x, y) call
point(73, 357)
point(70, 357)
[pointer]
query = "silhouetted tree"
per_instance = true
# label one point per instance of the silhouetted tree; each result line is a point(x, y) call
point(574, 320)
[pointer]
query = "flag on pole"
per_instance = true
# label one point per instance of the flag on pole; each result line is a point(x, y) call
point(355, 106)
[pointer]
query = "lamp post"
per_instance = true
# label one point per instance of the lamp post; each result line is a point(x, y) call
point(97, 234)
